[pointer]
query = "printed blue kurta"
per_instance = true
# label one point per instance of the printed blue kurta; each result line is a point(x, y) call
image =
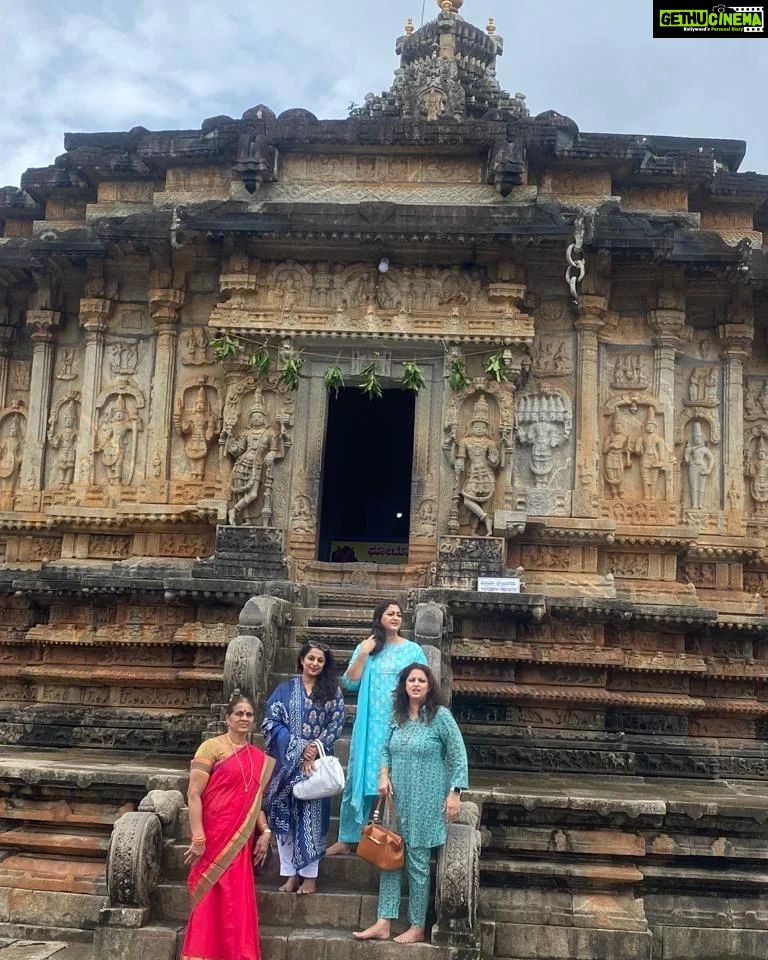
point(425, 760)
point(291, 721)
point(374, 709)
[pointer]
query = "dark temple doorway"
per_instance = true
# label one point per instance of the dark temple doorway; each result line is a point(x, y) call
point(366, 488)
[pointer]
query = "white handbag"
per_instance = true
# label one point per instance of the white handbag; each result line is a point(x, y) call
point(326, 779)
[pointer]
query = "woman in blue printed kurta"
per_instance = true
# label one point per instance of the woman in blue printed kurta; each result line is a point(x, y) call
point(424, 769)
point(372, 672)
point(300, 711)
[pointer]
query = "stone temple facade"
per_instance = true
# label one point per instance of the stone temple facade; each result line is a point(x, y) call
point(257, 375)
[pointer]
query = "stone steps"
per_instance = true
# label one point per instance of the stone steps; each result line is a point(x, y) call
point(328, 943)
point(27, 949)
point(49, 840)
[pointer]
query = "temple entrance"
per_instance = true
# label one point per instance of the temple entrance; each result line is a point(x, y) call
point(366, 485)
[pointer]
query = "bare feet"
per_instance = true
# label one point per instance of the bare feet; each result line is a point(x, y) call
point(379, 931)
point(308, 885)
point(337, 849)
point(411, 935)
point(291, 885)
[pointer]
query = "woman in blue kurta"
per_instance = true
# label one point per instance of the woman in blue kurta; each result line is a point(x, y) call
point(424, 769)
point(372, 672)
point(300, 711)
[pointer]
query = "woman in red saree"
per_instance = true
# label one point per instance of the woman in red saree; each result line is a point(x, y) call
point(226, 784)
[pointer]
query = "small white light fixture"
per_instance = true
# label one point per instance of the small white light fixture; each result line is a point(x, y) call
point(399, 516)
point(383, 265)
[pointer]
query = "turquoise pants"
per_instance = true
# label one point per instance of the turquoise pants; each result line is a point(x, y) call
point(417, 865)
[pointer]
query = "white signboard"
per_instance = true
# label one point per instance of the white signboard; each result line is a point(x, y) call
point(498, 584)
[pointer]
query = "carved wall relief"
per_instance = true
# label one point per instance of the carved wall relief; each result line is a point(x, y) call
point(630, 372)
point(756, 444)
point(544, 420)
point(63, 426)
point(552, 358)
point(196, 419)
point(702, 387)
point(637, 461)
point(195, 347)
point(255, 434)
point(122, 357)
point(116, 441)
point(699, 462)
point(478, 446)
point(13, 429)
point(66, 363)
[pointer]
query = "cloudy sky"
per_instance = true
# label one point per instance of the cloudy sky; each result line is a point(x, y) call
point(164, 64)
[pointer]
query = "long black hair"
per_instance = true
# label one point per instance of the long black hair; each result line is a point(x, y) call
point(327, 683)
point(379, 634)
point(400, 700)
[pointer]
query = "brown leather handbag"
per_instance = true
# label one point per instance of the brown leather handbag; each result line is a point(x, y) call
point(381, 845)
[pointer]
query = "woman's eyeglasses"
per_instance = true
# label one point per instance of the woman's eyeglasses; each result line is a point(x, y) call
point(316, 645)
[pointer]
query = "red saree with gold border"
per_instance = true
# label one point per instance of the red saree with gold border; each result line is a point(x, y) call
point(224, 922)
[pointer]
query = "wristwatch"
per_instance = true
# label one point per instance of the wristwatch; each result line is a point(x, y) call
point(456, 790)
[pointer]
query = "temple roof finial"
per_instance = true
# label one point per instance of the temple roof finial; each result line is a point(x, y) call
point(450, 6)
point(409, 27)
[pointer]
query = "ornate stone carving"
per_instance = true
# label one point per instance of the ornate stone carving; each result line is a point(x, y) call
point(476, 458)
point(117, 434)
point(457, 884)
point(617, 457)
point(123, 357)
point(62, 437)
point(198, 424)
point(702, 387)
point(133, 861)
point(66, 363)
point(545, 421)
point(195, 347)
point(551, 361)
point(756, 468)
point(630, 373)
point(254, 450)
point(700, 462)
point(13, 428)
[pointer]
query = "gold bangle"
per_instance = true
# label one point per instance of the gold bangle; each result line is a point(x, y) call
point(198, 839)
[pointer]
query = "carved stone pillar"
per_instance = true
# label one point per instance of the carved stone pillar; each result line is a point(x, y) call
point(736, 338)
point(94, 312)
point(164, 307)
point(667, 327)
point(6, 338)
point(42, 323)
point(588, 323)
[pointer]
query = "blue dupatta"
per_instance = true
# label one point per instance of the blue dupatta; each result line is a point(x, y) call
point(291, 722)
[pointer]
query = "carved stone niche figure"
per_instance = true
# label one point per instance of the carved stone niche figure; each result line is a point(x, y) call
point(756, 470)
point(477, 459)
point(432, 103)
point(700, 462)
point(655, 458)
point(616, 455)
point(117, 441)
point(544, 420)
point(198, 427)
point(254, 451)
point(12, 430)
point(63, 439)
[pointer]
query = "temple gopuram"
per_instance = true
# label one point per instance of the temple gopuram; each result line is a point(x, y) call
point(256, 376)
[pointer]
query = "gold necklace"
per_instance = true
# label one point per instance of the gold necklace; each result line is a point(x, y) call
point(235, 751)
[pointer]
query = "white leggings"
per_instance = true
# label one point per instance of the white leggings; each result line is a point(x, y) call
point(287, 869)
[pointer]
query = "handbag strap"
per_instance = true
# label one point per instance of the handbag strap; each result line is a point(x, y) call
point(320, 749)
point(389, 814)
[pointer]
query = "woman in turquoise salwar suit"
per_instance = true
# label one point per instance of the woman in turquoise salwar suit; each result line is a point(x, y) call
point(372, 673)
point(424, 769)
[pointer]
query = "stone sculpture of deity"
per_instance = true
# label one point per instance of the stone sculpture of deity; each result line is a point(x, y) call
point(63, 439)
point(700, 461)
point(756, 469)
point(254, 451)
point(198, 428)
point(11, 452)
point(116, 441)
point(616, 456)
point(655, 458)
point(477, 460)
